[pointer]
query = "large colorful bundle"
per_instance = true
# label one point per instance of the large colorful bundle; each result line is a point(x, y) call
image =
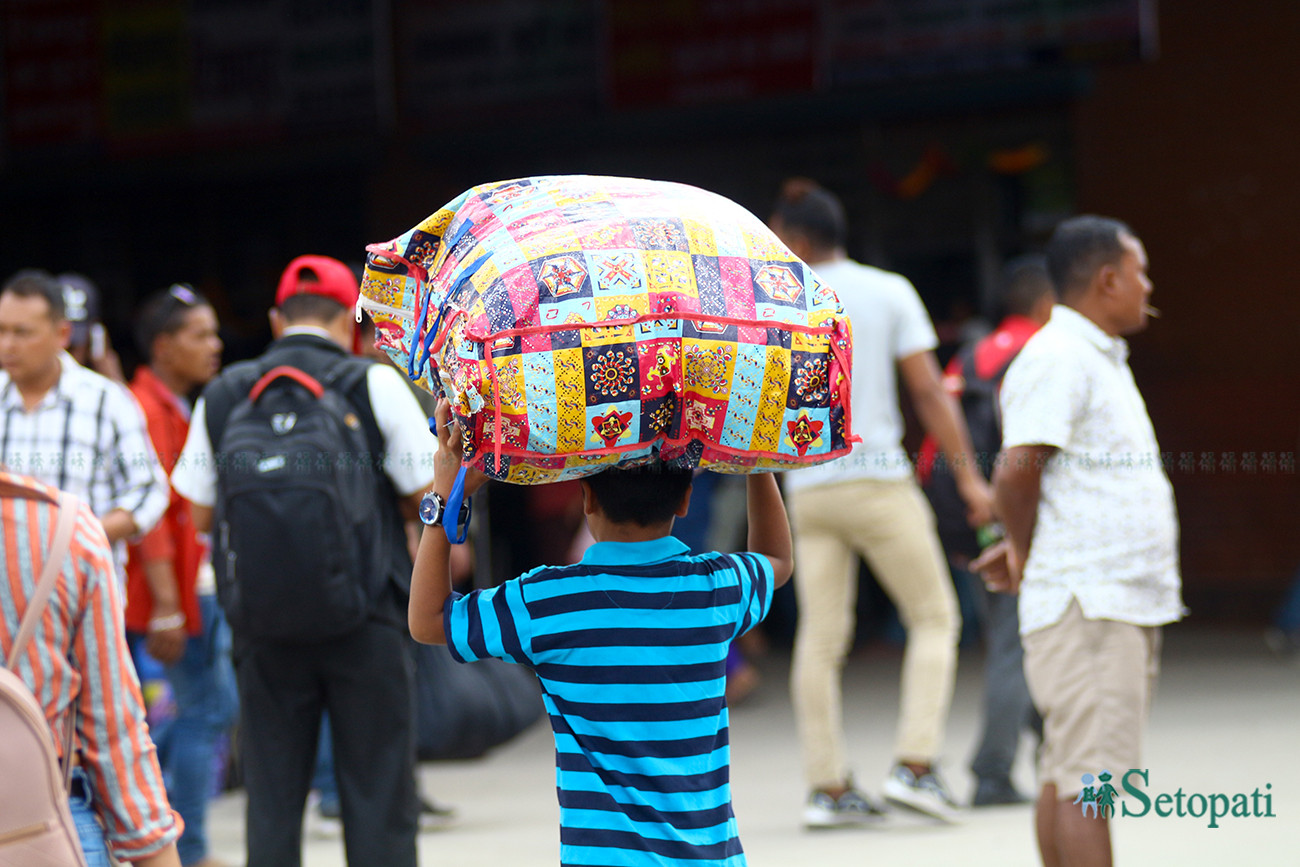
point(580, 322)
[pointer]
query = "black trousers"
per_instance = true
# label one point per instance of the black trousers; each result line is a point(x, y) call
point(364, 680)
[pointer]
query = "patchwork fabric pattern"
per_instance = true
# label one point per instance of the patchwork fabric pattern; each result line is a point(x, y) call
point(577, 322)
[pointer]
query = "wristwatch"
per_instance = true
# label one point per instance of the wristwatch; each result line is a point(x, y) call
point(433, 508)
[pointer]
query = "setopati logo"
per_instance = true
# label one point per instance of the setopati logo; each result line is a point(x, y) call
point(1099, 795)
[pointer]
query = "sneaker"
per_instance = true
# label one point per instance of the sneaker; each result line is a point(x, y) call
point(435, 816)
point(996, 793)
point(926, 794)
point(324, 821)
point(849, 809)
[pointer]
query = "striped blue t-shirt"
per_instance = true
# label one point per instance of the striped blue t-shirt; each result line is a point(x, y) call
point(630, 646)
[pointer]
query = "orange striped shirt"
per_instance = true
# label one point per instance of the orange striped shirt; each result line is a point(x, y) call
point(78, 658)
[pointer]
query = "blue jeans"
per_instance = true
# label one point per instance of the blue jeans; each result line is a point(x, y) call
point(89, 831)
point(323, 779)
point(1288, 615)
point(203, 686)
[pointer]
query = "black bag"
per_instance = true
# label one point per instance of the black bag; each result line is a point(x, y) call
point(463, 710)
point(296, 547)
point(979, 405)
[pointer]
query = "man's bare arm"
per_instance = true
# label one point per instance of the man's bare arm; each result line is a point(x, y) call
point(165, 645)
point(202, 517)
point(1017, 485)
point(119, 525)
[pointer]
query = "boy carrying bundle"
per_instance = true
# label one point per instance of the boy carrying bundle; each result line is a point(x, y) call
point(630, 646)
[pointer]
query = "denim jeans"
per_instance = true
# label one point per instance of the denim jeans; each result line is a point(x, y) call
point(89, 831)
point(203, 686)
point(323, 779)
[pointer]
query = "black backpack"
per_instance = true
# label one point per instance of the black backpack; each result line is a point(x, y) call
point(979, 405)
point(296, 547)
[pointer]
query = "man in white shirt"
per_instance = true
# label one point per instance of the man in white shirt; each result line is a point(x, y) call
point(68, 426)
point(1092, 534)
point(868, 504)
point(363, 676)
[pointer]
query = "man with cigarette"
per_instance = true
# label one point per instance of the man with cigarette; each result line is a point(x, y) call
point(1091, 527)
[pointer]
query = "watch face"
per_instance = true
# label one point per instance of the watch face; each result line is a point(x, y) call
point(430, 509)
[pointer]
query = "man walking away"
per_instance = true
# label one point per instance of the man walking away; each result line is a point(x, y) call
point(304, 453)
point(868, 504)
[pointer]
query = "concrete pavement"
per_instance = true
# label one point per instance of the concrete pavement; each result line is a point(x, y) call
point(1225, 721)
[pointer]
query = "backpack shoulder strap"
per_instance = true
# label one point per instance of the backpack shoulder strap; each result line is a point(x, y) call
point(50, 570)
point(54, 557)
point(973, 383)
point(226, 392)
point(345, 376)
point(994, 380)
point(349, 378)
point(1001, 372)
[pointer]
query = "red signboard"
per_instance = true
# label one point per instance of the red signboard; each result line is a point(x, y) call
point(697, 51)
point(51, 72)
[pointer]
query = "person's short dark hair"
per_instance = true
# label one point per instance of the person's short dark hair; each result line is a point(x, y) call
point(164, 313)
point(37, 283)
point(645, 495)
point(804, 206)
point(308, 306)
point(1081, 245)
point(1025, 280)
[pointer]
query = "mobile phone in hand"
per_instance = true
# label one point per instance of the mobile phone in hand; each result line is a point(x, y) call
point(98, 340)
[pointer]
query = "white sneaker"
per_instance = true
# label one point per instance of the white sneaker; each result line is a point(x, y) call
point(926, 794)
point(322, 824)
point(849, 809)
point(435, 816)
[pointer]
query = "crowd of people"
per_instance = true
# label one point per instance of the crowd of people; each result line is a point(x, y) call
point(283, 594)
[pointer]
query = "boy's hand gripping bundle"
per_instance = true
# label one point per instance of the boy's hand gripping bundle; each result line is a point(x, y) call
point(580, 322)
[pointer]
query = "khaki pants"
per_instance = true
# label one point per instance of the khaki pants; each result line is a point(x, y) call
point(891, 526)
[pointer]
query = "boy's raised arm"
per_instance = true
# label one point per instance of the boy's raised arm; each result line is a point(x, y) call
point(431, 578)
point(430, 587)
point(769, 528)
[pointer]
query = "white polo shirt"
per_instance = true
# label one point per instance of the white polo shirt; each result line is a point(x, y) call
point(1107, 531)
point(409, 447)
point(889, 324)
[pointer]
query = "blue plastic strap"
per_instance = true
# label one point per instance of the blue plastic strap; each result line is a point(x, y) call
point(464, 227)
point(415, 364)
point(412, 368)
point(431, 336)
point(465, 275)
point(457, 534)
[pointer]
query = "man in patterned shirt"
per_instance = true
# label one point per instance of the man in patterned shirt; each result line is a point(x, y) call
point(630, 646)
point(1091, 525)
point(69, 426)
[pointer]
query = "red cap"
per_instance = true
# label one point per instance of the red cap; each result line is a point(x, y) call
point(333, 280)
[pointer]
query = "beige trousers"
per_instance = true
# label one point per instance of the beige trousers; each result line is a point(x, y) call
point(890, 525)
